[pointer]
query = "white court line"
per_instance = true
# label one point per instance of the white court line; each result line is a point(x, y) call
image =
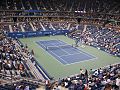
point(59, 57)
point(71, 49)
point(53, 56)
point(48, 40)
point(60, 49)
point(93, 58)
point(85, 53)
point(80, 61)
point(42, 45)
point(61, 42)
point(52, 43)
point(69, 54)
point(56, 54)
point(64, 51)
point(69, 44)
point(45, 41)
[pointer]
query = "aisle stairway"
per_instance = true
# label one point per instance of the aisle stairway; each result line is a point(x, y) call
point(32, 26)
point(10, 28)
point(85, 27)
point(23, 30)
point(42, 27)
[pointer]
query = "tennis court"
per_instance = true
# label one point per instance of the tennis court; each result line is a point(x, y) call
point(64, 53)
point(54, 67)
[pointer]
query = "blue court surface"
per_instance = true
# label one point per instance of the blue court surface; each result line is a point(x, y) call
point(64, 53)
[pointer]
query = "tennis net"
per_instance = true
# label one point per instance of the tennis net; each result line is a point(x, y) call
point(58, 47)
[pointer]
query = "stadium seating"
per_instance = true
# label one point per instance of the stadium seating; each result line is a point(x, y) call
point(96, 22)
point(103, 6)
point(101, 38)
point(12, 62)
point(99, 79)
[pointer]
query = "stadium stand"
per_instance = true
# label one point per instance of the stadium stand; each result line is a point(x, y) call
point(96, 22)
point(102, 38)
point(106, 78)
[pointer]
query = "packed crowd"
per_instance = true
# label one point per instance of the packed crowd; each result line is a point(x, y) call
point(67, 5)
point(39, 26)
point(17, 64)
point(16, 28)
point(21, 85)
point(100, 79)
point(12, 61)
point(96, 9)
point(107, 78)
point(106, 39)
point(14, 56)
point(16, 61)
